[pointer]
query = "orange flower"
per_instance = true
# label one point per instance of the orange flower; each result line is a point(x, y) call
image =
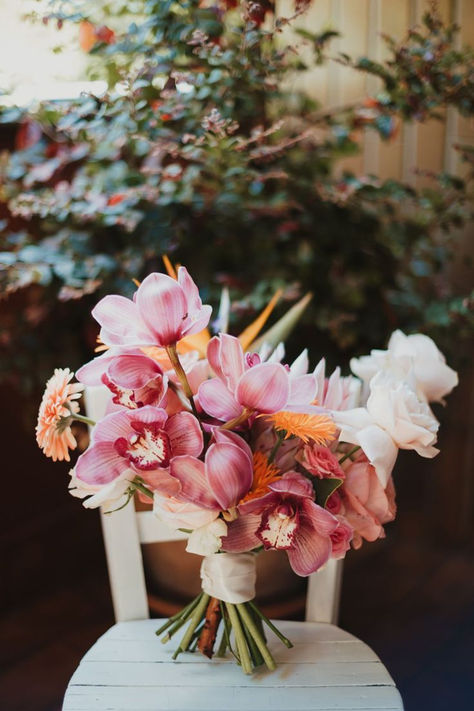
point(264, 474)
point(318, 428)
point(59, 400)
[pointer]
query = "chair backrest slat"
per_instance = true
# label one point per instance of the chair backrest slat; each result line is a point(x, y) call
point(126, 529)
point(324, 592)
point(125, 564)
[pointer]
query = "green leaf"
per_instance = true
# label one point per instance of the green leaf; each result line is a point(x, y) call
point(324, 488)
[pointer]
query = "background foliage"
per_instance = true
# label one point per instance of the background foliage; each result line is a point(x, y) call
point(204, 149)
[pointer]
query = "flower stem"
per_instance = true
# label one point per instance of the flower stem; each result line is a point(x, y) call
point(172, 352)
point(254, 631)
point(142, 488)
point(185, 615)
point(221, 650)
point(278, 443)
point(349, 454)
point(84, 419)
point(257, 659)
point(239, 638)
point(196, 618)
point(236, 421)
point(178, 615)
point(270, 624)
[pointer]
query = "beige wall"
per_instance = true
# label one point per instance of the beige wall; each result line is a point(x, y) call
point(423, 147)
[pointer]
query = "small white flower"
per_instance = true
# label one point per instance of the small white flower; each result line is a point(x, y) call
point(207, 539)
point(110, 496)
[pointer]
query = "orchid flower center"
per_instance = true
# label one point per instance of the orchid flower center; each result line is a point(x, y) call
point(279, 527)
point(252, 359)
point(122, 396)
point(149, 448)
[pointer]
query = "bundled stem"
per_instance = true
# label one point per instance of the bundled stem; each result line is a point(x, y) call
point(205, 615)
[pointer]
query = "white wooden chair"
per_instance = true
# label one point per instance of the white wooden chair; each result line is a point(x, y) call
point(129, 669)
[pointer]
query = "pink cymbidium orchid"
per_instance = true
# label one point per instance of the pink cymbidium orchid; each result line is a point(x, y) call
point(133, 378)
point(243, 384)
point(144, 441)
point(288, 519)
point(222, 480)
point(162, 312)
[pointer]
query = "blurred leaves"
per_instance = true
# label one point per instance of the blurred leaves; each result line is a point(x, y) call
point(203, 148)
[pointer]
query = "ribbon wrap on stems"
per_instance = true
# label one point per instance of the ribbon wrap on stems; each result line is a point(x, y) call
point(229, 577)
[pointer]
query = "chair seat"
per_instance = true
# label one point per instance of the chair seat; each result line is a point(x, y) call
point(129, 669)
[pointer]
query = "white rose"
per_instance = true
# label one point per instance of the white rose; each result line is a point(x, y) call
point(181, 514)
point(394, 406)
point(415, 359)
point(393, 419)
point(207, 539)
point(110, 496)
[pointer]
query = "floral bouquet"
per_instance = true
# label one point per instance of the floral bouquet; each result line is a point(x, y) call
point(239, 450)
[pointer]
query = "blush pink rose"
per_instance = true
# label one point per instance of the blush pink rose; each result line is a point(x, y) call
point(366, 505)
point(321, 462)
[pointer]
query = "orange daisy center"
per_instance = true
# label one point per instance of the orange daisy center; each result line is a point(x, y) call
point(264, 474)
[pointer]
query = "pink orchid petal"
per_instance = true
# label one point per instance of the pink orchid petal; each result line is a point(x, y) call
point(264, 388)
point(310, 550)
point(160, 480)
point(217, 400)
point(121, 322)
point(155, 392)
point(229, 473)
point(260, 503)
point(185, 434)
point(241, 534)
point(197, 374)
point(112, 427)
point(197, 322)
point(225, 436)
point(190, 289)
point(161, 303)
point(232, 360)
point(133, 371)
point(148, 415)
point(91, 373)
point(321, 520)
point(293, 483)
point(100, 464)
point(303, 390)
point(190, 472)
point(213, 356)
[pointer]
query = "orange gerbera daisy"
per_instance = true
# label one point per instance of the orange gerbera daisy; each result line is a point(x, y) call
point(59, 401)
point(264, 474)
point(318, 428)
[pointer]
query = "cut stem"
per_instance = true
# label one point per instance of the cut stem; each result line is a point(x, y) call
point(198, 614)
point(179, 615)
point(240, 640)
point(270, 624)
point(187, 612)
point(254, 631)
